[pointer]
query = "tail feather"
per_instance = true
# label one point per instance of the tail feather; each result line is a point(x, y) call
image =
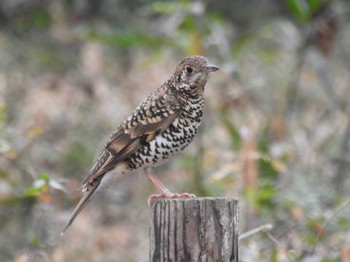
point(90, 189)
point(91, 183)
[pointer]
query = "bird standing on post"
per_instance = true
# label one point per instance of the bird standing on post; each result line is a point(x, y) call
point(160, 127)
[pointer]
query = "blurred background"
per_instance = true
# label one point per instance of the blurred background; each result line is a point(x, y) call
point(275, 133)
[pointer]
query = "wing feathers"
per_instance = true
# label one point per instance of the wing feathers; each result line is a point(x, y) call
point(147, 121)
point(131, 136)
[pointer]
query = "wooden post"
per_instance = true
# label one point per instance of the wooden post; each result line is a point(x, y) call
point(194, 229)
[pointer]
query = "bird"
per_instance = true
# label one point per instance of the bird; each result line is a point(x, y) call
point(158, 129)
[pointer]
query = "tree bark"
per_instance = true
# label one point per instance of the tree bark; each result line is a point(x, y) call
point(194, 229)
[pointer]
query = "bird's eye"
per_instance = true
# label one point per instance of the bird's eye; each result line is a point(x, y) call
point(189, 70)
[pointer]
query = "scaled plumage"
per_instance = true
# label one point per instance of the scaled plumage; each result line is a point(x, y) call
point(161, 126)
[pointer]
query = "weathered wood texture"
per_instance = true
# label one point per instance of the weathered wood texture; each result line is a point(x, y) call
point(194, 229)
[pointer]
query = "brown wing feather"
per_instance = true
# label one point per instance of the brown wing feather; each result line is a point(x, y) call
point(147, 121)
point(150, 118)
point(122, 145)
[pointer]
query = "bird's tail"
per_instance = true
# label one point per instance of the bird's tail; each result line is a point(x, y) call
point(90, 189)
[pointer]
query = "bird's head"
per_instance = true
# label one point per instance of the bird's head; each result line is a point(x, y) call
point(192, 73)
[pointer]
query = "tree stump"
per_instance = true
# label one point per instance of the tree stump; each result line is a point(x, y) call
point(194, 229)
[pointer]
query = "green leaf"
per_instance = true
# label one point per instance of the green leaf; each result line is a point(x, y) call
point(36, 242)
point(41, 19)
point(43, 176)
point(274, 255)
point(267, 169)
point(164, 7)
point(299, 9)
point(343, 223)
point(39, 185)
point(314, 5)
point(34, 191)
point(187, 25)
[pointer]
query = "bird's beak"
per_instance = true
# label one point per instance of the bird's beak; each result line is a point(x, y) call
point(212, 68)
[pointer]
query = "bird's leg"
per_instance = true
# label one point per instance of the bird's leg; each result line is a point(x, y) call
point(164, 192)
point(156, 181)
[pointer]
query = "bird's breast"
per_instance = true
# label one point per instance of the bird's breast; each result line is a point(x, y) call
point(172, 140)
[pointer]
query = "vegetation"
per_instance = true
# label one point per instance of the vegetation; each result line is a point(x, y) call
point(276, 131)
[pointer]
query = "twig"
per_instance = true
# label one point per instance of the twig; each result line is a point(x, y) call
point(323, 229)
point(263, 228)
point(343, 165)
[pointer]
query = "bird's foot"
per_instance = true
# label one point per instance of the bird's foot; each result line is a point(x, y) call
point(169, 195)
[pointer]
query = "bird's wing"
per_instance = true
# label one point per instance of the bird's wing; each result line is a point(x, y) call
point(123, 144)
point(120, 146)
point(152, 117)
